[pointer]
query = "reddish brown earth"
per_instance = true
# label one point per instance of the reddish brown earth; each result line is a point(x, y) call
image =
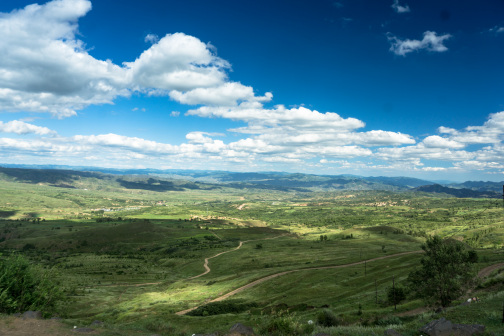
point(16, 326)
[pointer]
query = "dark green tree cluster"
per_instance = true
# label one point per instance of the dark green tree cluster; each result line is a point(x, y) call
point(24, 286)
point(446, 271)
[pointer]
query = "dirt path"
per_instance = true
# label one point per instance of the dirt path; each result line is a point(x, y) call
point(488, 270)
point(205, 265)
point(269, 277)
point(207, 268)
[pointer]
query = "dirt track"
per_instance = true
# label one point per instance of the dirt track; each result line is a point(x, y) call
point(488, 270)
point(205, 265)
point(256, 282)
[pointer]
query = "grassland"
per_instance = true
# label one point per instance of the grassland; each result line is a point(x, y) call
point(129, 256)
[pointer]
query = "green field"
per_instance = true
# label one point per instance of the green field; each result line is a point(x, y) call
point(129, 257)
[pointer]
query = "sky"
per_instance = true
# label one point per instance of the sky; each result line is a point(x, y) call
point(374, 88)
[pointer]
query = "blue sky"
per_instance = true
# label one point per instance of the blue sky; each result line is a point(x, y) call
point(411, 87)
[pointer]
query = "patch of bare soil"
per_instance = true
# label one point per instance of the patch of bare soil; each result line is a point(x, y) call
point(17, 326)
point(488, 270)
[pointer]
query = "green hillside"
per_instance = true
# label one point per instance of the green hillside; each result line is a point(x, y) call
point(131, 251)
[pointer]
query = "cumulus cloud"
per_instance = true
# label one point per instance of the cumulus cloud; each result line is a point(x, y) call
point(21, 127)
point(400, 9)
point(177, 62)
point(435, 141)
point(421, 151)
point(300, 131)
point(491, 132)
point(257, 116)
point(227, 94)
point(450, 147)
point(281, 144)
point(45, 68)
point(38, 147)
point(431, 42)
point(124, 142)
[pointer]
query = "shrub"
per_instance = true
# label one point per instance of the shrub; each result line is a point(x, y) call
point(24, 286)
point(284, 324)
point(395, 295)
point(223, 307)
point(327, 318)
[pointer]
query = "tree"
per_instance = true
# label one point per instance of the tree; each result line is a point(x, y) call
point(446, 271)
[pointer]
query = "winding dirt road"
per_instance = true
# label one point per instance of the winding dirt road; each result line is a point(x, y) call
point(269, 277)
point(205, 265)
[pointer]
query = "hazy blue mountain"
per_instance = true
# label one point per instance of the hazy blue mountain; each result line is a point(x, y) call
point(461, 193)
point(181, 179)
point(479, 185)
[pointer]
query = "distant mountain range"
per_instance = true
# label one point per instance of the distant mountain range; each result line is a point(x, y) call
point(178, 180)
point(459, 192)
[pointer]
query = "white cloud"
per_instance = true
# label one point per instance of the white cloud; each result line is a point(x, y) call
point(435, 141)
point(283, 144)
point(43, 67)
point(478, 165)
point(257, 116)
point(400, 9)
point(433, 169)
point(431, 42)
point(338, 151)
point(20, 127)
point(201, 137)
point(39, 147)
point(151, 38)
point(491, 132)
point(420, 151)
point(177, 62)
point(227, 94)
point(129, 143)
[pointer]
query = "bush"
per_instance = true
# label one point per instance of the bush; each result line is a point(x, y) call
point(395, 295)
point(27, 287)
point(223, 307)
point(283, 324)
point(327, 318)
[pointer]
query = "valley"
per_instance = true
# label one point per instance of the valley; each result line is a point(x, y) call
point(187, 254)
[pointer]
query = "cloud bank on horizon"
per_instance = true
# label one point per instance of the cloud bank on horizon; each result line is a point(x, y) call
point(46, 70)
